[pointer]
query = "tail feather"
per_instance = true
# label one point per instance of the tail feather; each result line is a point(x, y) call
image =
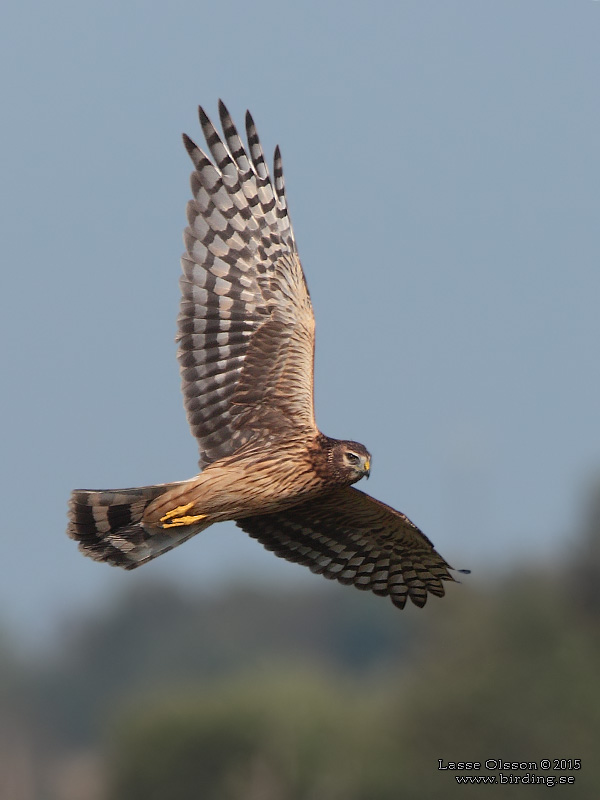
point(108, 525)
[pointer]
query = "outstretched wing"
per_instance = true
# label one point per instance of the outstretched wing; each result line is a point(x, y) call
point(246, 326)
point(349, 536)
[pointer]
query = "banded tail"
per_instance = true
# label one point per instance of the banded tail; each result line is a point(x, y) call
point(108, 525)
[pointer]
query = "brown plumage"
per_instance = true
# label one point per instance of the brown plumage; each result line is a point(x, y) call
point(246, 347)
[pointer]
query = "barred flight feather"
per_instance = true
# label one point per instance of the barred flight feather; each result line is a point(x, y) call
point(108, 525)
point(350, 537)
point(241, 249)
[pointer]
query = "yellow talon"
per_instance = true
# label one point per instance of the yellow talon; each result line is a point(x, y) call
point(177, 520)
point(184, 521)
point(175, 511)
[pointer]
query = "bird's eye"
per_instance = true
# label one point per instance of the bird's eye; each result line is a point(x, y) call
point(352, 458)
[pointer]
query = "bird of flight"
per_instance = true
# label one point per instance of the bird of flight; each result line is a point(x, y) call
point(246, 346)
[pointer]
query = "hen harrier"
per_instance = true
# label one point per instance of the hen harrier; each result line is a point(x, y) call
point(246, 345)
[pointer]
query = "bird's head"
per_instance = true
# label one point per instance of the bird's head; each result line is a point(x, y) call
point(351, 460)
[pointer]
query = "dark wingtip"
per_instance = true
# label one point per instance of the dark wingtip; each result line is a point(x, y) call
point(462, 572)
point(203, 116)
point(189, 145)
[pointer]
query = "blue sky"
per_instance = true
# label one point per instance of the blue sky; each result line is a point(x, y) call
point(442, 167)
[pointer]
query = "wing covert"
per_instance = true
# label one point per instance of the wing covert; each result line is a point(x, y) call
point(245, 327)
point(349, 536)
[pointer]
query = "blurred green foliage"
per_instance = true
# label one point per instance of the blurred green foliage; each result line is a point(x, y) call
point(285, 733)
point(508, 674)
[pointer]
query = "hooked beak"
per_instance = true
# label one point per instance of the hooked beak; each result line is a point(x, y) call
point(367, 468)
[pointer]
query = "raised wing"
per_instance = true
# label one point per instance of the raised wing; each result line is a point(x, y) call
point(349, 536)
point(246, 326)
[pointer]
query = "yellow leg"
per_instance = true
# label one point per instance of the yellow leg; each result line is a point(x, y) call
point(175, 515)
